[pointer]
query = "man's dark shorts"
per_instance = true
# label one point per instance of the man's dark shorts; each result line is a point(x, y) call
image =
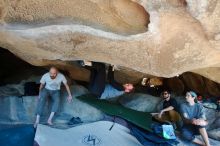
point(189, 131)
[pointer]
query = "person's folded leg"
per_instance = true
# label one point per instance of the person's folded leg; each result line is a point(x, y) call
point(188, 133)
point(174, 116)
point(92, 78)
point(203, 132)
point(164, 118)
point(98, 79)
point(112, 81)
point(98, 66)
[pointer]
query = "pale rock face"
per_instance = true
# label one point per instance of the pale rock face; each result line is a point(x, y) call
point(160, 38)
point(111, 15)
point(140, 102)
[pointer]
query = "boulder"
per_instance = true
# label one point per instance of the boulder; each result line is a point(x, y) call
point(140, 102)
point(194, 82)
point(216, 122)
point(22, 110)
point(213, 88)
point(175, 84)
point(214, 134)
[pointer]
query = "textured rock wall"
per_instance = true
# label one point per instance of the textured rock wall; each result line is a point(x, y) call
point(160, 38)
point(191, 81)
point(112, 15)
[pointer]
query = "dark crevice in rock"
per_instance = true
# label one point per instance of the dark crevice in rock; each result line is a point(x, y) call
point(191, 81)
point(13, 68)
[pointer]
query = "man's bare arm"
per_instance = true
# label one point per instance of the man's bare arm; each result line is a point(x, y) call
point(188, 121)
point(40, 88)
point(201, 122)
point(69, 93)
point(167, 109)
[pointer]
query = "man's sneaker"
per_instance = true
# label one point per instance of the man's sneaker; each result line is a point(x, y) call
point(74, 120)
point(114, 67)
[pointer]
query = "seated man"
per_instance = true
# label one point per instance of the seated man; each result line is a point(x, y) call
point(169, 113)
point(50, 86)
point(194, 120)
point(98, 86)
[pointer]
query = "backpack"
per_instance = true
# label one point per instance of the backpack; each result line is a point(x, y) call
point(168, 132)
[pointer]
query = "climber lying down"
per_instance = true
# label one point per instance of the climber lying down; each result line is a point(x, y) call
point(98, 86)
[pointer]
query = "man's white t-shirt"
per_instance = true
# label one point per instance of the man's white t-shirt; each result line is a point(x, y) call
point(53, 84)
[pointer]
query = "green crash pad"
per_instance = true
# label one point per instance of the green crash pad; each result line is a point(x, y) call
point(140, 119)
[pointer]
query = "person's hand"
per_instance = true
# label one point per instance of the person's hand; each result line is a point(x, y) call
point(194, 122)
point(201, 122)
point(160, 114)
point(69, 98)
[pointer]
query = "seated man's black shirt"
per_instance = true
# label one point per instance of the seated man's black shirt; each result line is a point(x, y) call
point(172, 102)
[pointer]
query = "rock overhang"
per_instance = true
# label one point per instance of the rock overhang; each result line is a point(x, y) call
point(174, 39)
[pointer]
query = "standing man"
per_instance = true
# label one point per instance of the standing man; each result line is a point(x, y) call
point(194, 120)
point(50, 86)
point(169, 113)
